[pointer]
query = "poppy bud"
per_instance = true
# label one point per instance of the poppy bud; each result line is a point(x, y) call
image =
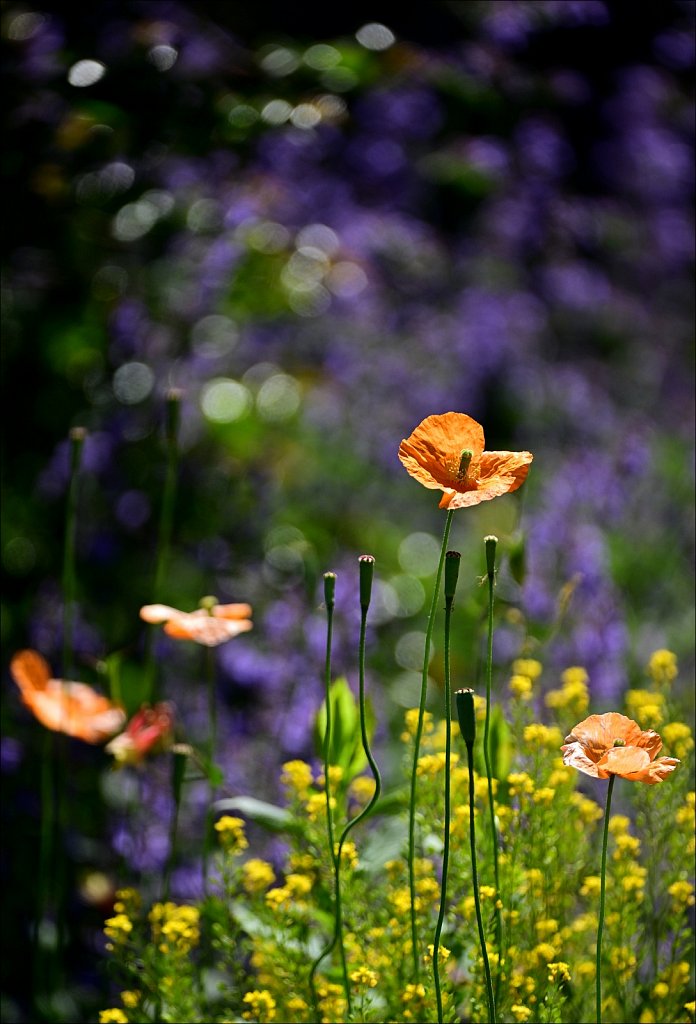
point(173, 414)
point(490, 542)
point(208, 603)
point(452, 560)
point(367, 571)
point(329, 588)
point(77, 437)
point(466, 715)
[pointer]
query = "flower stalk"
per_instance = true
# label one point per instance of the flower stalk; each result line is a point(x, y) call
point(452, 560)
point(467, 726)
point(416, 749)
point(491, 544)
point(602, 894)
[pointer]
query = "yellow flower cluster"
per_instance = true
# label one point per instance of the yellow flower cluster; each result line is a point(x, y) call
point(678, 739)
point(257, 875)
point(443, 954)
point(114, 1016)
point(662, 667)
point(573, 696)
point(175, 929)
point(364, 976)
point(335, 777)
point(117, 928)
point(362, 789)
point(411, 724)
point(545, 736)
point(646, 707)
point(297, 776)
point(558, 972)
point(231, 833)
point(262, 1006)
point(682, 893)
point(521, 686)
point(529, 667)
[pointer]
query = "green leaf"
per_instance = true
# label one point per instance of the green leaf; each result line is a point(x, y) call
point(346, 738)
point(270, 816)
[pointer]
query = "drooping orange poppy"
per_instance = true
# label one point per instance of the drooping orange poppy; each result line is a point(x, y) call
point(209, 627)
point(150, 730)
point(73, 708)
point(611, 744)
point(446, 453)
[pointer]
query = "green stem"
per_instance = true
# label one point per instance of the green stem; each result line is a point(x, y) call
point(369, 807)
point(490, 556)
point(329, 586)
point(474, 880)
point(602, 891)
point(416, 750)
point(446, 840)
point(212, 748)
point(77, 437)
point(177, 779)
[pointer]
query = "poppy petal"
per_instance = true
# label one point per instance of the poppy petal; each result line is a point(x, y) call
point(30, 670)
point(655, 772)
point(156, 613)
point(207, 630)
point(624, 761)
point(575, 755)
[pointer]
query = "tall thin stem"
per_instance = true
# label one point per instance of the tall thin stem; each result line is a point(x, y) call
point(491, 543)
point(452, 568)
point(602, 892)
point(212, 771)
point(329, 599)
point(416, 750)
point(474, 880)
point(77, 438)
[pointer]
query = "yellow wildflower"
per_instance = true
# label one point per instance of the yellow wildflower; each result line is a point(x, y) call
point(660, 990)
point(520, 782)
point(364, 976)
point(529, 667)
point(544, 795)
point(587, 810)
point(315, 804)
point(297, 776)
point(623, 961)
point(335, 777)
point(619, 824)
point(443, 954)
point(275, 898)
point(591, 885)
point(362, 789)
point(626, 846)
point(558, 972)
point(411, 723)
point(114, 1016)
point(547, 926)
point(262, 1006)
point(678, 739)
point(520, 1013)
point(130, 999)
point(520, 686)
point(257, 875)
point(548, 736)
point(586, 969)
point(118, 928)
point(682, 893)
point(231, 832)
point(662, 667)
point(645, 707)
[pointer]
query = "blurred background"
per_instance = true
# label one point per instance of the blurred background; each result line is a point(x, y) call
point(323, 226)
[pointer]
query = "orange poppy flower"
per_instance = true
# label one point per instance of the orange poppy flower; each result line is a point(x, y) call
point(446, 453)
point(208, 627)
point(73, 708)
point(611, 744)
point(149, 731)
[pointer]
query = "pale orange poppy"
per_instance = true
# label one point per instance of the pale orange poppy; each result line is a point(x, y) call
point(73, 708)
point(208, 627)
point(446, 453)
point(611, 744)
point(150, 730)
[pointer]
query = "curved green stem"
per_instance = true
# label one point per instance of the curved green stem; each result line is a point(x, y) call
point(490, 553)
point(416, 750)
point(602, 892)
point(338, 913)
point(446, 840)
point(474, 880)
point(212, 725)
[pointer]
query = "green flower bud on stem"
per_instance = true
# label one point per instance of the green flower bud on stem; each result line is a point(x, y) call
point(208, 602)
point(329, 588)
point(173, 414)
point(466, 715)
point(367, 571)
point(464, 463)
point(490, 542)
point(452, 560)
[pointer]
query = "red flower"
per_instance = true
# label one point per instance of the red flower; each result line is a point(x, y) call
point(611, 744)
point(73, 708)
point(446, 453)
point(149, 731)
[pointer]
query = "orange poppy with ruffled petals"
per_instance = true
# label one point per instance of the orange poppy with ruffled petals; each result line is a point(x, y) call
point(72, 708)
point(611, 744)
point(209, 627)
point(446, 453)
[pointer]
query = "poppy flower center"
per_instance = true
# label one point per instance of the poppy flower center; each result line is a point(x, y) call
point(464, 463)
point(619, 743)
